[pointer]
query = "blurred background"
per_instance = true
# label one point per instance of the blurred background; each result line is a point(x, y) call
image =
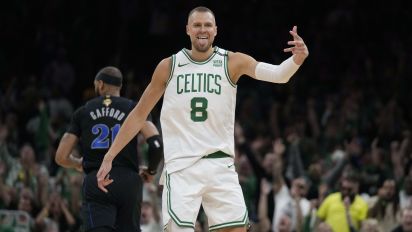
point(344, 117)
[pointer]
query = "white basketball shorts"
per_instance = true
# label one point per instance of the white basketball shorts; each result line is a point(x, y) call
point(212, 182)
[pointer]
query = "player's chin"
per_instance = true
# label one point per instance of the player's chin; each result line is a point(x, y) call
point(202, 48)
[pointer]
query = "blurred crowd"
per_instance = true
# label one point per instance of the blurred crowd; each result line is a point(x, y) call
point(329, 151)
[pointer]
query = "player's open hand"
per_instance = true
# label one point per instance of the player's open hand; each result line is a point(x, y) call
point(103, 177)
point(299, 49)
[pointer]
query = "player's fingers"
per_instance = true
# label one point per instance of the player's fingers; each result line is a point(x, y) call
point(301, 50)
point(295, 35)
point(295, 50)
point(107, 182)
point(101, 186)
point(298, 43)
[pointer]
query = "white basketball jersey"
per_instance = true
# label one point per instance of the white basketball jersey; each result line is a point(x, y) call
point(198, 111)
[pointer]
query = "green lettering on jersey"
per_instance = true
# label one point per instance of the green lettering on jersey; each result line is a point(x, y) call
point(218, 90)
point(199, 82)
point(194, 90)
point(209, 78)
point(187, 82)
point(179, 89)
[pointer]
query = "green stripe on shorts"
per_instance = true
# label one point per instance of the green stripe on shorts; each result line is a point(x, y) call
point(242, 222)
point(169, 208)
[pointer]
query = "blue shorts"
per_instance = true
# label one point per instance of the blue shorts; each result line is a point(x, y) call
point(119, 208)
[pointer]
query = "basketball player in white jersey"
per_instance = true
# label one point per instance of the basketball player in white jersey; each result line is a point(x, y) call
point(197, 117)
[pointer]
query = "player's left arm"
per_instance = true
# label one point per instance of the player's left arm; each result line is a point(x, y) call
point(135, 120)
point(64, 156)
point(243, 64)
point(155, 153)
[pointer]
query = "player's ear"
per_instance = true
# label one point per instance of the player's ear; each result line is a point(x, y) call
point(104, 86)
point(215, 30)
point(100, 85)
point(187, 30)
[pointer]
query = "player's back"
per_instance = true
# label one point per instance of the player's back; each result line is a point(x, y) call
point(98, 123)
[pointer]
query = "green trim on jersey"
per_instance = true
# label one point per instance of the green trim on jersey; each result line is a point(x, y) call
point(169, 208)
point(172, 69)
point(242, 222)
point(203, 62)
point(226, 66)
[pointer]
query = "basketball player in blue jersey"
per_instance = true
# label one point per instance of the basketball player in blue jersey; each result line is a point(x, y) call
point(94, 126)
point(197, 117)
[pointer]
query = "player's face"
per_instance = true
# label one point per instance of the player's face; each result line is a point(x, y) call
point(201, 28)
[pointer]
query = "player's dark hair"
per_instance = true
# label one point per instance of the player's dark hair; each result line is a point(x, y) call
point(200, 9)
point(110, 75)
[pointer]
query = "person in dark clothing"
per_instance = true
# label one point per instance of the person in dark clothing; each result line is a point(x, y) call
point(95, 125)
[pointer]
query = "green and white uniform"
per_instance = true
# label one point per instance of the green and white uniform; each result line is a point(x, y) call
point(198, 111)
point(197, 122)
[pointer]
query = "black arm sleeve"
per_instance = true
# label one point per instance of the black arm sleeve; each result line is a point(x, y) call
point(155, 152)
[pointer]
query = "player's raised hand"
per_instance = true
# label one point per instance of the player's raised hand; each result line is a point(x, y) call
point(299, 49)
point(103, 177)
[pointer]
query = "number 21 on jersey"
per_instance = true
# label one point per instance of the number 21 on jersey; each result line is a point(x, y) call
point(105, 135)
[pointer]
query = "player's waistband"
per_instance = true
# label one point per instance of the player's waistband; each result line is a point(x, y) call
point(215, 155)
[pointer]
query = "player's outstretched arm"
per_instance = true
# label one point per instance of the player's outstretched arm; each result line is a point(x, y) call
point(242, 64)
point(135, 120)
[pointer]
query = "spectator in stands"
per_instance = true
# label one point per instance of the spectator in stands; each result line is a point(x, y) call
point(344, 211)
point(385, 206)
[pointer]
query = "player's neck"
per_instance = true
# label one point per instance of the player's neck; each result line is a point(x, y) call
point(111, 93)
point(201, 56)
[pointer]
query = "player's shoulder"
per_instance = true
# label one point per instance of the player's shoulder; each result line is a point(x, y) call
point(220, 51)
point(239, 59)
point(94, 102)
point(79, 111)
point(120, 102)
point(163, 70)
point(166, 62)
point(122, 99)
point(237, 55)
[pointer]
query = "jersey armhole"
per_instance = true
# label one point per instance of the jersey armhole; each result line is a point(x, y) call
point(172, 68)
point(226, 67)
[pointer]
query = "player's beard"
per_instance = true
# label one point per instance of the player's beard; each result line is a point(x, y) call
point(202, 48)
